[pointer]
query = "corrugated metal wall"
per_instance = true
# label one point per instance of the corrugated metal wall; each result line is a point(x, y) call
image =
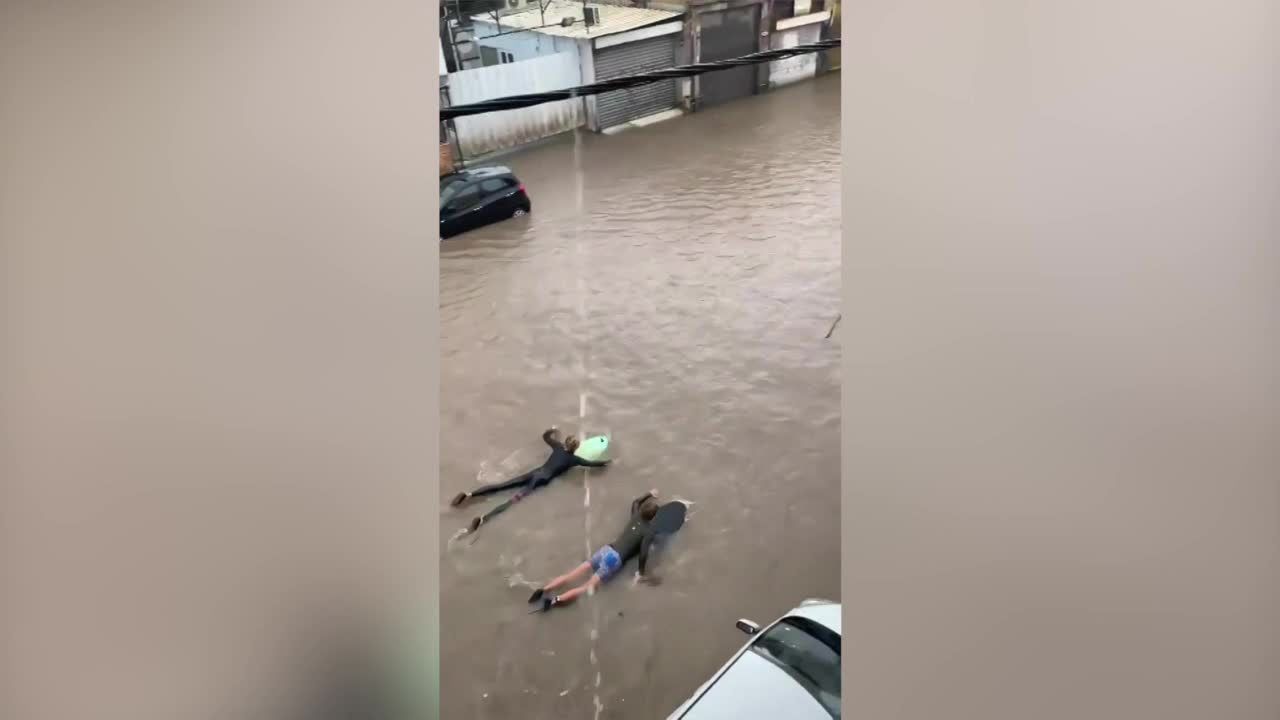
point(489, 132)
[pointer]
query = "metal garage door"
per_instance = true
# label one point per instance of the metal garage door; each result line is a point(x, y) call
point(623, 106)
point(725, 35)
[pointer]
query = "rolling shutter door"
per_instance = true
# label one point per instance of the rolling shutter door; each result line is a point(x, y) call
point(725, 35)
point(623, 106)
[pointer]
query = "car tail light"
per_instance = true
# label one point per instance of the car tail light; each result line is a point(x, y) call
point(520, 187)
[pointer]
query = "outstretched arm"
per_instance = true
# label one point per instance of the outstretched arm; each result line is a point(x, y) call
point(552, 437)
point(644, 557)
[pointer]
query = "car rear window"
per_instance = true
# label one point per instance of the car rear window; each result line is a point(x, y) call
point(495, 185)
point(809, 653)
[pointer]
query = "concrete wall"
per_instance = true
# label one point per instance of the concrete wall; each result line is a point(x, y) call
point(792, 32)
point(490, 132)
point(832, 57)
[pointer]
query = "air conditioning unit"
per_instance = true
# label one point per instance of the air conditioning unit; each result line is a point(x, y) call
point(518, 5)
point(591, 15)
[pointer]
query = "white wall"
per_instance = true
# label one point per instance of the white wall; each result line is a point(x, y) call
point(800, 67)
point(523, 45)
point(490, 132)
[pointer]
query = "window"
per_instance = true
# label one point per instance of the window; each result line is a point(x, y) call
point(494, 56)
point(449, 185)
point(493, 185)
point(784, 9)
point(459, 195)
point(810, 654)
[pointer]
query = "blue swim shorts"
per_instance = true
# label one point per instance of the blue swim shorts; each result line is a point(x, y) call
point(606, 562)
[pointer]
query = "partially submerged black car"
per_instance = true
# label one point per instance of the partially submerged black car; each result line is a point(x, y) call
point(476, 197)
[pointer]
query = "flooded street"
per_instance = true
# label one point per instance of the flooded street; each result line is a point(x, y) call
point(679, 305)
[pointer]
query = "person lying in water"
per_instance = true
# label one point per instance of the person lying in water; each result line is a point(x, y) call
point(562, 460)
point(634, 541)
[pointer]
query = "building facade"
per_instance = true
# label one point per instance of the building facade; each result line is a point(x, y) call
point(790, 32)
point(517, 47)
point(724, 29)
point(606, 41)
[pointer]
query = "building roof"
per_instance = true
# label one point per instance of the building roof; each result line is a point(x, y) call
point(613, 19)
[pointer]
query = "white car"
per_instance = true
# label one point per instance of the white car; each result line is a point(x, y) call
point(790, 670)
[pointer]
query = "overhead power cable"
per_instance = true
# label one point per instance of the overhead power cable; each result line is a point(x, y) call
point(516, 102)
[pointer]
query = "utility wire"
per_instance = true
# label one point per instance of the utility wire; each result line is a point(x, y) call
point(515, 102)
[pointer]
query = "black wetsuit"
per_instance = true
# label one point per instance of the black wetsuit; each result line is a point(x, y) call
point(635, 540)
point(637, 537)
point(560, 462)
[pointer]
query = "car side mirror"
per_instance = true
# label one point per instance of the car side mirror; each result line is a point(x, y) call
point(748, 627)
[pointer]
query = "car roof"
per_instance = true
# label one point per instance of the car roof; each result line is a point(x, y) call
point(481, 172)
point(824, 613)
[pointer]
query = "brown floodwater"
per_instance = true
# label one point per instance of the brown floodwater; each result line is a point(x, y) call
point(672, 288)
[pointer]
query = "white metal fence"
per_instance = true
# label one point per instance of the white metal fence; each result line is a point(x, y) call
point(489, 132)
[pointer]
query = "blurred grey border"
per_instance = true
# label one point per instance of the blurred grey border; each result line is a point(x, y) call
point(1062, 492)
point(219, 397)
point(220, 379)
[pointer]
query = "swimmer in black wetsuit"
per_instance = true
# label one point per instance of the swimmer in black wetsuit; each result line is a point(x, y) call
point(634, 541)
point(561, 461)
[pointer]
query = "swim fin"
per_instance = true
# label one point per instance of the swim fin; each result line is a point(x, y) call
point(547, 604)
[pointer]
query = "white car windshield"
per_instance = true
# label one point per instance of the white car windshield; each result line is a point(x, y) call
point(809, 653)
